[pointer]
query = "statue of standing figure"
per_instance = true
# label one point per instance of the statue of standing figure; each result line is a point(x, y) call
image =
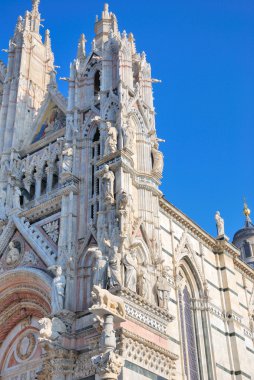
point(108, 184)
point(100, 269)
point(131, 264)
point(111, 139)
point(158, 161)
point(58, 289)
point(219, 224)
point(114, 269)
point(129, 136)
point(67, 159)
point(163, 290)
point(16, 197)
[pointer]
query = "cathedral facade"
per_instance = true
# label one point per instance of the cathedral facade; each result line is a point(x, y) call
point(100, 276)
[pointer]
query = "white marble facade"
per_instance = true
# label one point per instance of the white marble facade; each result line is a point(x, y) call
point(100, 276)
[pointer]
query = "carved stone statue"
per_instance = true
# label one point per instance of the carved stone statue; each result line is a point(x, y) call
point(13, 254)
point(158, 161)
point(108, 184)
point(144, 286)
point(219, 224)
point(100, 270)
point(163, 290)
point(103, 299)
point(58, 289)
point(129, 135)
point(131, 264)
point(114, 270)
point(111, 140)
point(2, 204)
point(51, 329)
point(16, 197)
point(67, 159)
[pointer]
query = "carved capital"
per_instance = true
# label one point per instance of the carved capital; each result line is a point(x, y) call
point(108, 365)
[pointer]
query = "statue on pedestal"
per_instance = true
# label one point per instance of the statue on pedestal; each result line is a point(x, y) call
point(16, 197)
point(219, 224)
point(58, 289)
point(131, 264)
point(108, 184)
point(100, 269)
point(67, 159)
point(111, 139)
point(163, 290)
point(158, 161)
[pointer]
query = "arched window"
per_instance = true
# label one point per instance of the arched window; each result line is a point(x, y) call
point(193, 325)
point(97, 85)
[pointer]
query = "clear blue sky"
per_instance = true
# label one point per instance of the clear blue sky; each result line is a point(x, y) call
point(203, 51)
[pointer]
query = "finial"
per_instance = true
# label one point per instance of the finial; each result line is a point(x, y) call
point(47, 41)
point(36, 4)
point(82, 47)
point(105, 13)
point(246, 210)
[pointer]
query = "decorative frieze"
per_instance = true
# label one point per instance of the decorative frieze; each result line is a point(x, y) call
point(147, 355)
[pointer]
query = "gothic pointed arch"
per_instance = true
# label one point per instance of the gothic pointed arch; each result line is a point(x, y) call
point(193, 316)
point(185, 250)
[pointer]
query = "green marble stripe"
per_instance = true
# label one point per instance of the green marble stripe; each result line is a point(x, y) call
point(142, 371)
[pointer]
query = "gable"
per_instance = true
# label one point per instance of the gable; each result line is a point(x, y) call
point(18, 253)
point(52, 121)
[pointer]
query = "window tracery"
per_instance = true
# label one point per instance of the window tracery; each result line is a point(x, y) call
point(193, 325)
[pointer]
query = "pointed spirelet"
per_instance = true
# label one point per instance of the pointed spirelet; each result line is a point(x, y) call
point(35, 5)
point(82, 47)
point(132, 42)
point(105, 13)
point(47, 41)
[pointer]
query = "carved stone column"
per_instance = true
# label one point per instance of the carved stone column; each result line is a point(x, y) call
point(108, 309)
point(38, 177)
point(50, 172)
point(58, 363)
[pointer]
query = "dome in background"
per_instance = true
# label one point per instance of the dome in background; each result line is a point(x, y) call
point(244, 238)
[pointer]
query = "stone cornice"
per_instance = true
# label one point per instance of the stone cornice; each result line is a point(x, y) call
point(193, 228)
point(244, 268)
point(43, 209)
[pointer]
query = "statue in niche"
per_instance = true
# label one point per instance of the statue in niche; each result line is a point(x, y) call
point(114, 270)
point(129, 136)
point(144, 285)
point(100, 269)
point(163, 290)
point(13, 255)
point(123, 210)
point(67, 158)
point(58, 289)
point(111, 139)
point(108, 184)
point(219, 224)
point(131, 264)
point(158, 161)
point(16, 197)
point(2, 204)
